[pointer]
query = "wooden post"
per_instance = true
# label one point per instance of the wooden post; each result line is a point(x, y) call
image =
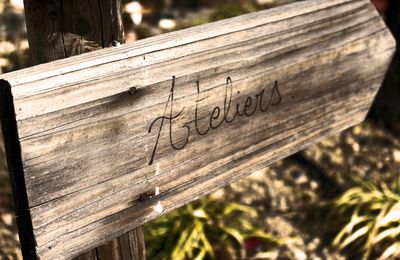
point(60, 29)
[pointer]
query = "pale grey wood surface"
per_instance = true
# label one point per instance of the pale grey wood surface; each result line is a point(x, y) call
point(87, 151)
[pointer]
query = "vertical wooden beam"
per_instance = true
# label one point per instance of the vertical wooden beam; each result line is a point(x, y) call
point(62, 28)
point(136, 244)
point(59, 29)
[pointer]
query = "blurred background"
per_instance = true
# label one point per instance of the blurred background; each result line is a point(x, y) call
point(339, 199)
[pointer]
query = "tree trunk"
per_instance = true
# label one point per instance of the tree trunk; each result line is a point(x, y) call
point(60, 29)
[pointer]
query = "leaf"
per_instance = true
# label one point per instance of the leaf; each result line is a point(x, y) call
point(232, 207)
point(348, 229)
point(266, 255)
point(207, 245)
point(268, 237)
point(393, 215)
point(388, 233)
point(201, 255)
point(360, 232)
point(375, 227)
point(391, 252)
point(348, 195)
point(194, 238)
point(235, 234)
point(200, 213)
point(178, 252)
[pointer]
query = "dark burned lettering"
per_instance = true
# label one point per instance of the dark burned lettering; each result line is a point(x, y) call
point(261, 101)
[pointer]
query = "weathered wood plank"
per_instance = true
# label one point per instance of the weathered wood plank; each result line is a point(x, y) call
point(211, 104)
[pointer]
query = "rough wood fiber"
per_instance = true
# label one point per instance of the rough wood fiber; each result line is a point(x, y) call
point(59, 29)
point(129, 246)
point(208, 105)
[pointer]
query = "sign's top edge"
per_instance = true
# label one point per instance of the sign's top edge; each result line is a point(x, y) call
point(168, 40)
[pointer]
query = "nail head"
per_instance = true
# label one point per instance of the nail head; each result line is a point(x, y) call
point(132, 91)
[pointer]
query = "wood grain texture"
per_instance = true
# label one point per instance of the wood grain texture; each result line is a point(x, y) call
point(129, 246)
point(59, 29)
point(212, 104)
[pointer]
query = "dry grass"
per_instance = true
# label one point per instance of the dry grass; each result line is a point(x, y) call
point(370, 215)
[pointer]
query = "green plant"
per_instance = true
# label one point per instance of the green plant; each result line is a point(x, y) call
point(206, 229)
point(370, 214)
point(231, 9)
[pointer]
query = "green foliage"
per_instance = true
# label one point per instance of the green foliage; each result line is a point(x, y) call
point(370, 215)
point(230, 9)
point(206, 229)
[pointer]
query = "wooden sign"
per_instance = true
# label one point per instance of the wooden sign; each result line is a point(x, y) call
point(101, 143)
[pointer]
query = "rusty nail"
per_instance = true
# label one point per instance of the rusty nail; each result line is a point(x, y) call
point(146, 196)
point(132, 91)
